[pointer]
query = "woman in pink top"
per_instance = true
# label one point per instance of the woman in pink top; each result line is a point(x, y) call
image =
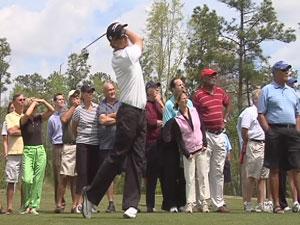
point(189, 132)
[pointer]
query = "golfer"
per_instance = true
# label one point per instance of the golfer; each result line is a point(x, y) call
point(131, 125)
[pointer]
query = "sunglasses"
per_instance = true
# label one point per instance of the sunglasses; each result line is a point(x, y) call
point(22, 99)
point(284, 70)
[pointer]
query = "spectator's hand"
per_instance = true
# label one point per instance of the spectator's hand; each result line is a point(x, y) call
point(203, 149)
point(75, 102)
point(190, 157)
point(159, 123)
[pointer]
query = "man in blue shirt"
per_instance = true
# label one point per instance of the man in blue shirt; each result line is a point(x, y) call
point(55, 134)
point(106, 113)
point(278, 114)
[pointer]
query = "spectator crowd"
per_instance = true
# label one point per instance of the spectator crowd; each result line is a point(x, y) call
point(180, 142)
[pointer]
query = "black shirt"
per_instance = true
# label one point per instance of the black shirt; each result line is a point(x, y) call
point(32, 131)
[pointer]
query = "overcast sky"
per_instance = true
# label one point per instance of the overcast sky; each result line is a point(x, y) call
point(43, 33)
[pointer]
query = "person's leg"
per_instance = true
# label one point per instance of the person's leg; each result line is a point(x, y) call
point(75, 196)
point(93, 162)
point(282, 189)
point(292, 176)
point(56, 163)
point(12, 172)
point(10, 195)
point(216, 177)
point(261, 191)
point(274, 186)
point(63, 181)
point(135, 162)
point(39, 173)
point(151, 175)
point(125, 137)
point(28, 174)
point(81, 167)
point(189, 174)
point(250, 187)
point(244, 179)
point(181, 197)
point(202, 177)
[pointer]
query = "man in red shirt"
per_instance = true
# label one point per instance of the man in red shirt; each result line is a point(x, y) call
point(213, 105)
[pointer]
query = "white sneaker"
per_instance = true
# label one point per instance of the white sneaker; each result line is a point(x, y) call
point(189, 208)
point(25, 211)
point(259, 208)
point(249, 207)
point(86, 205)
point(268, 206)
point(94, 209)
point(174, 209)
point(78, 209)
point(244, 205)
point(130, 213)
point(296, 207)
point(286, 209)
point(34, 212)
point(205, 208)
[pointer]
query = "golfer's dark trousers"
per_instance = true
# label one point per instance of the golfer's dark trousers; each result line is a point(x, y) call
point(130, 146)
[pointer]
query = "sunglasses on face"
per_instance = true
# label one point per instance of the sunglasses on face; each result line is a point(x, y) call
point(21, 100)
point(284, 70)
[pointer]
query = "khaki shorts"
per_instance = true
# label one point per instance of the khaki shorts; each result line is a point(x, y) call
point(255, 160)
point(68, 160)
point(13, 168)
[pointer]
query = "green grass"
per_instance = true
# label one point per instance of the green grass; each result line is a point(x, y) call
point(236, 217)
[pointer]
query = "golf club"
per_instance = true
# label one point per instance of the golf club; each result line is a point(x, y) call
point(84, 51)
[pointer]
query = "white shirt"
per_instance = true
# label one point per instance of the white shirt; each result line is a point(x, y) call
point(126, 65)
point(250, 122)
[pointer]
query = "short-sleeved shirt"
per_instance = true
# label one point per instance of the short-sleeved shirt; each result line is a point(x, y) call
point(32, 131)
point(210, 106)
point(107, 133)
point(126, 65)
point(4, 129)
point(15, 143)
point(170, 112)
point(55, 128)
point(87, 129)
point(249, 121)
point(280, 104)
point(68, 135)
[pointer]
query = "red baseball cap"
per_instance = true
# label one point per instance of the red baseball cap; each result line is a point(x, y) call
point(208, 72)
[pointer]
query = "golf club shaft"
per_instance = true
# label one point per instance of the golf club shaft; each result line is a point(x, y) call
point(93, 41)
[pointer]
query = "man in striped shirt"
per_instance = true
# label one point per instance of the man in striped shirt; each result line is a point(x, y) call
point(210, 101)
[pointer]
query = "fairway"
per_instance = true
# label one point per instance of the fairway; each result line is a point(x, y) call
point(236, 217)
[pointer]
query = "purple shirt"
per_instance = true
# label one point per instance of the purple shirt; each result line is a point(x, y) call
point(55, 132)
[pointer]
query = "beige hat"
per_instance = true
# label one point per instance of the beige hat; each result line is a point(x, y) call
point(73, 92)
